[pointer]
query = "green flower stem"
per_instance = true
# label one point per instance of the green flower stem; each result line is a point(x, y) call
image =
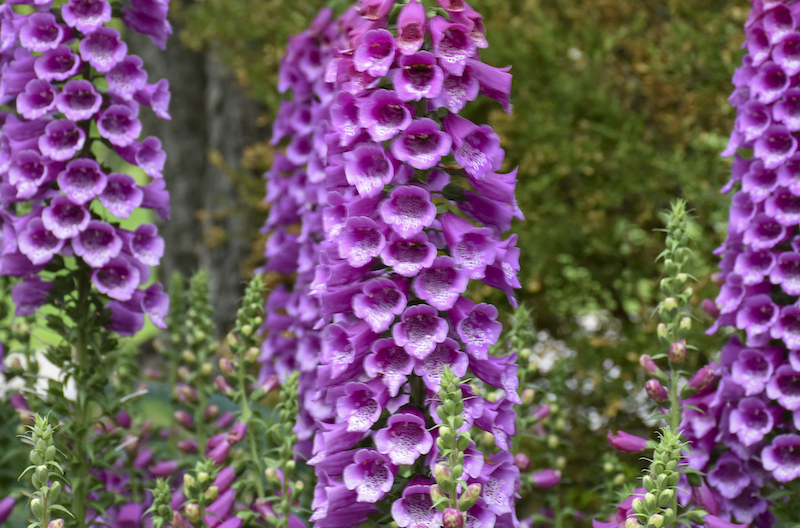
point(81, 418)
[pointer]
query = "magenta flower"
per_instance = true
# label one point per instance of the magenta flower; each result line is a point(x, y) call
point(390, 363)
point(415, 508)
point(103, 49)
point(383, 114)
point(479, 330)
point(37, 243)
point(40, 32)
point(784, 387)
point(408, 210)
point(379, 303)
point(370, 475)
point(476, 148)
point(782, 457)
point(420, 330)
point(751, 420)
point(62, 139)
point(86, 15)
point(626, 442)
point(408, 256)
point(422, 144)
point(546, 478)
point(119, 125)
point(452, 45)
point(78, 100)
point(121, 195)
point(376, 52)
point(418, 76)
point(64, 218)
point(360, 241)
point(444, 354)
point(82, 180)
point(126, 77)
point(97, 244)
point(472, 248)
point(38, 99)
point(117, 278)
point(369, 170)
point(405, 438)
point(440, 284)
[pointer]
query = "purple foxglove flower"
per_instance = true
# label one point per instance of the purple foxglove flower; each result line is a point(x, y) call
point(787, 109)
point(300, 149)
point(369, 170)
point(361, 240)
point(64, 218)
point(157, 96)
point(420, 330)
point(759, 182)
point(431, 368)
point(782, 457)
point(119, 124)
point(379, 303)
point(452, 45)
point(742, 212)
point(626, 442)
point(452, 6)
point(389, 362)
point(441, 284)
point(754, 265)
point(775, 146)
point(770, 82)
point(787, 327)
point(411, 28)
point(499, 478)
point(86, 15)
point(422, 144)
point(126, 77)
point(494, 82)
point(145, 245)
point(758, 44)
point(370, 475)
point(82, 180)
point(103, 49)
point(29, 295)
point(37, 243)
point(78, 100)
point(220, 509)
point(383, 114)
point(479, 330)
point(38, 99)
point(155, 304)
point(118, 278)
point(472, 248)
point(787, 53)
point(546, 478)
point(156, 197)
point(753, 120)
point(341, 347)
point(6, 507)
point(97, 244)
point(712, 521)
point(785, 387)
point(360, 407)
point(457, 91)
point(344, 115)
point(751, 371)
point(149, 17)
point(757, 314)
point(150, 157)
point(783, 206)
point(751, 420)
point(476, 148)
point(27, 173)
point(408, 210)
point(764, 232)
point(728, 476)
point(121, 195)
point(408, 256)
point(375, 53)
point(418, 76)
point(500, 373)
point(415, 508)
point(375, 9)
point(57, 64)
point(404, 438)
point(41, 32)
point(787, 273)
point(62, 139)
point(778, 22)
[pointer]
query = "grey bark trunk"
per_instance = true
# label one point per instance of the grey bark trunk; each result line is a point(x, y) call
point(210, 227)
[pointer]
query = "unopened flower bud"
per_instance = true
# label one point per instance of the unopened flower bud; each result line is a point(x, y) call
point(37, 508)
point(546, 478)
point(225, 366)
point(632, 522)
point(686, 323)
point(56, 523)
point(272, 475)
point(202, 476)
point(251, 355)
point(522, 461)
point(211, 493)
point(552, 441)
point(661, 331)
point(541, 412)
point(206, 369)
point(650, 501)
point(649, 365)
point(442, 474)
point(677, 352)
point(452, 518)
point(247, 330)
point(655, 521)
point(704, 377)
point(656, 391)
point(55, 491)
point(192, 512)
point(184, 373)
point(188, 356)
point(527, 395)
point(222, 384)
point(710, 308)
point(211, 412)
point(437, 493)
point(469, 497)
point(638, 505)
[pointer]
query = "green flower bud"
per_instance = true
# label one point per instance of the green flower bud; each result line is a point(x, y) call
point(251, 355)
point(638, 505)
point(37, 508)
point(686, 322)
point(272, 475)
point(648, 483)
point(56, 523)
point(189, 356)
point(650, 501)
point(632, 522)
point(211, 493)
point(469, 497)
point(608, 467)
point(442, 474)
point(655, 521)
point(552, 441)
point(192, 512)
point(36, 457)
point(54, 491)
point(665, 497)
point(247, 330)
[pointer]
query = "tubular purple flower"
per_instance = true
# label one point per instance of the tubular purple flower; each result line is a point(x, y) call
point(415, 507)
point(119, 124)
point(97, 244)
point(103, 49)
point(420, 330)
point(369, 170)
point(418, 76)
point(40, 32)
point(57, 64)
point(411, 25)
point(62, 139)
point(29, 295)
point(86, 16)
point(121, 195)
point(441, 284)
point(78, 100)
point(82, 180)
point(38, 99)
point(118, 278)
point(64, 218)
point(452, 45)
point(546, 478)
point(37, 243)
point(626, 442)
point(404, 438)
point(383, 114)
point(376, 52)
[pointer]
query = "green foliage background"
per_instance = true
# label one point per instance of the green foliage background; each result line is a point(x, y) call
point(620, 106)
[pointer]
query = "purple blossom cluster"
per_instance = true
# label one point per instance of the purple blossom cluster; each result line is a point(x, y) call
point(400, 204)
point(71, 85)
point(753, 413)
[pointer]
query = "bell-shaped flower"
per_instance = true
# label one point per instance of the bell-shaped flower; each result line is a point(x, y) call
point(785, 387)
point(369, 170)
point(757, 314)
point(82, 180)
point(499, 479)
point(457, 91)
point(418, 76)
point(404, 438)
point(64, 218)
point(121, 194)
point(757, 43)
point(370, 475)
point(97, 244)
point(157, 96)
point(28, 171)
point(118, 278)
point(390, 363)
point(104, 49)
point(500, 373)
point(782, 457)
point(408, 256)
point(741, 212)
point(728, 476)
point(78, 100)
point(37, 243)
point(452, 45)
point(57, 64)
point(753, 266)
point(764, 232)
point(119, 124)
point(344, 116)
point(149, 17)
point(422, 144)
point(759, 182)
point(29, 295)
point(786, 53)
point(383, 114)
point(144, 244)
point(627, 442)
point(411, 28)
point(753, 120)
point(494, 82)
point(775, 146)
point(445, 354)
point(156, 197)
point(38, 99)
point(441, 284)
point(751, 370)
point(87, 16)
point(786, 272)
point(126, 77)
point(415, 508)
point(751, 420)
point(420, 330)
point(379, 303)
point(476, 148)
point(408, 210)
point(61, 140)
point(150, 157)
point(360, 407)
point(783, 206)
point(779, 22)
point(479, 330)
point(787, 109)
point(472, 248)
point(787, 327)
point(375, 9)
point(41, 32)
point(361, 240)
point(155, 303)
point(375, 53)
point(770, 82)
